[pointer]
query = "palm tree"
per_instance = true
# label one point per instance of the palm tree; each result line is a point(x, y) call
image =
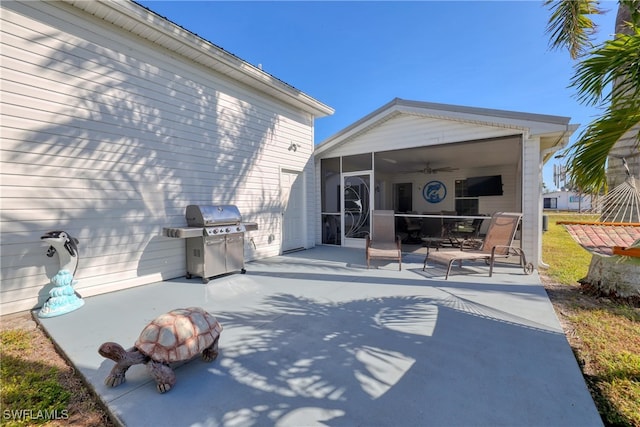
point(628, 143)
point(607, 76)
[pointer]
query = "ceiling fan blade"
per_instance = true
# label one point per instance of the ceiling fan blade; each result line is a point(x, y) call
point(445, 169)
point(428, 170)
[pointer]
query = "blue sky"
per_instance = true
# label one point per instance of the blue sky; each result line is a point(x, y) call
point(357, 56)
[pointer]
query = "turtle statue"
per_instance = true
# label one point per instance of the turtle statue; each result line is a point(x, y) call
point(172, 337)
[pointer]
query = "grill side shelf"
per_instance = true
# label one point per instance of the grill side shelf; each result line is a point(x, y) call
point(250, 226)
point(182, 232)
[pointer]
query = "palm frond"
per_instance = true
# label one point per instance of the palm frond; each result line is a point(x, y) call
point(611, 73)
point(588, 159)
point(570, 26)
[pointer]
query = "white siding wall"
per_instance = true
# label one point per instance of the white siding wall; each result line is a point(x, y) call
point(532, 201)
point(486, 204)
point(109, 138)
point(569, 200)
point(407, 131)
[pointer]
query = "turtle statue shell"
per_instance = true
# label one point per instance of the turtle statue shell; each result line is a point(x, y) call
point(178, 335)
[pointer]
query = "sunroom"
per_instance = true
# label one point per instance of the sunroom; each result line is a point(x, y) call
point(424, 159)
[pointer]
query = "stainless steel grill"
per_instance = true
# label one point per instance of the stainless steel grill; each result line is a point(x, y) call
point(215, 240)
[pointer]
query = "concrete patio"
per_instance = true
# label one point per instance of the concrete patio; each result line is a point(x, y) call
point(314, 338)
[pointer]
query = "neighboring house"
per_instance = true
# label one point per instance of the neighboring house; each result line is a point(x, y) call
point(113, 121)
point(425, 157)
point(566, 201)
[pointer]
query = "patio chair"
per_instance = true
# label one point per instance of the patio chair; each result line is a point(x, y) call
point(413, 229)
point(497, 243)
point(332, 231)
point(432, 232)
point(467, 234)
point(383, 242)
point(437, 232)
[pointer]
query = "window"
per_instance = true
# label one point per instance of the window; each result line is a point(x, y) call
point(465, 205)
point(356, 163)
point(550, 203)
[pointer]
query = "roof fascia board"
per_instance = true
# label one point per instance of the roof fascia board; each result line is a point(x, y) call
point(150, 26)
point(370, 120)
point(505, 114)
point(535, 124)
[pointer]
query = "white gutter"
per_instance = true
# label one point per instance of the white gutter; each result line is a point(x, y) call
point(555, 147)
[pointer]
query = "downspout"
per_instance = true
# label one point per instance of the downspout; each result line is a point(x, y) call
point(569, 129)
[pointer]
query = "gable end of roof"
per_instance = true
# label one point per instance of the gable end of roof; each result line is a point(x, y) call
point(526, 122)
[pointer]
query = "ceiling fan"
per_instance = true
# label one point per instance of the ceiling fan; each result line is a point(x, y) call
point(428, 170)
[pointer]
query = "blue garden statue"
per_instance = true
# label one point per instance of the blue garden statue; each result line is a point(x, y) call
point(62, 297)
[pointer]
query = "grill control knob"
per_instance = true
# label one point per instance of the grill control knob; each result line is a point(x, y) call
point(227, 230)
point(237, 228)
point(215, 231)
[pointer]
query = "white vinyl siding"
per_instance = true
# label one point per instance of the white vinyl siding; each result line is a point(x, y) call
point(532, 200)
point(109, 137)
point(486, 204)
point(409, 131)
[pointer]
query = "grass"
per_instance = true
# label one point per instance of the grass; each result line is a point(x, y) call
point(568, 262)
point(608, 331)
point(31, 391)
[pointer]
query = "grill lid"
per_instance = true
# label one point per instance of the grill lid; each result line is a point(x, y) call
point(207, 215)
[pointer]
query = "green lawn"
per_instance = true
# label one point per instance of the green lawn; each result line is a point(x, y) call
point(31, 391)
point(608, 331)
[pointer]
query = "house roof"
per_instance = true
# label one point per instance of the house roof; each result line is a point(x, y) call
point(557, 128)
point(144, 23)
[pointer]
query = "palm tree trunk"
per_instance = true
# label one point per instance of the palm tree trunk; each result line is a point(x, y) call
point(612, 275)
point(627, 146)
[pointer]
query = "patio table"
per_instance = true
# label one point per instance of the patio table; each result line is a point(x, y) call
point(458, 229)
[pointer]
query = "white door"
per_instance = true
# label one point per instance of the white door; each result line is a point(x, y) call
point(293, 214)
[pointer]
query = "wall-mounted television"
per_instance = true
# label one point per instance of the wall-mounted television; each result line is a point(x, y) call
point(484, 186)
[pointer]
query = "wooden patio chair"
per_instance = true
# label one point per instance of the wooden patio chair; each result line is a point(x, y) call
point(498, 243)
point(383, 241)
